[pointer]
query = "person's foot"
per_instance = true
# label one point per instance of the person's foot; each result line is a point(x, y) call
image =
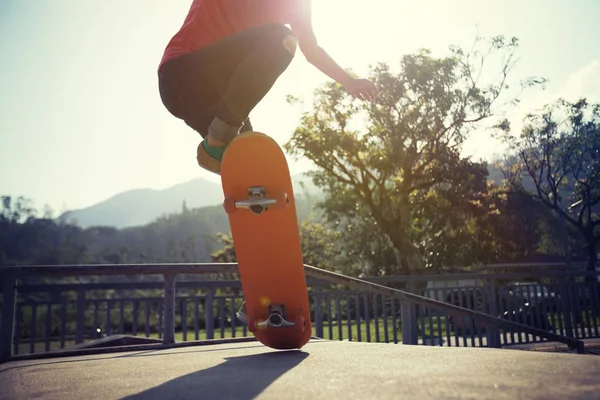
point(241, 314)
point(209, 157)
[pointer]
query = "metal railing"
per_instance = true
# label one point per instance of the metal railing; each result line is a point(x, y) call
point(413, 314)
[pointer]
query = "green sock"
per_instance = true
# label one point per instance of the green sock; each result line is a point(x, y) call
point(215, 152)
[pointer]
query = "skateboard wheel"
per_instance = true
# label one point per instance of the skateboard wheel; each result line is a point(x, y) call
point(282, 200)
point(229, 205)
point(300, 323)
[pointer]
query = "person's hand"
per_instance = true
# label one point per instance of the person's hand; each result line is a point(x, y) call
point(361, 89)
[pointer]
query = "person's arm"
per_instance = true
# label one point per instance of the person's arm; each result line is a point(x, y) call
point(314, 53)
point(317, 56)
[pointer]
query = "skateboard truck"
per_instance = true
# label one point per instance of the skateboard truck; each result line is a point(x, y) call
point(257, 201)
point(276, 318)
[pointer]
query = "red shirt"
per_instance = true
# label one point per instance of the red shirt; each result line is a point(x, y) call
point(210, 20)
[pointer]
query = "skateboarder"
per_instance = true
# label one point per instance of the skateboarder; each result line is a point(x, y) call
point(227, 56)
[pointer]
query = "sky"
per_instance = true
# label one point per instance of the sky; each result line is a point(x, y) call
point(81, 118)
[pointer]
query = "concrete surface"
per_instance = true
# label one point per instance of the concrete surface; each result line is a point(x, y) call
point(321, 370)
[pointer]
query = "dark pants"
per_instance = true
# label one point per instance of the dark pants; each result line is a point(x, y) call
point(226, 79)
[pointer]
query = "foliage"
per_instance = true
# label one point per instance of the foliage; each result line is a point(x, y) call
point(26, 239)
point(226, 254)
point(399, 178)
point(321, 246)
point(398, 195)
point(189, 236)
point(558, 152)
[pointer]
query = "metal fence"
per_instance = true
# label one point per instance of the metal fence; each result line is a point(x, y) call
point(495, 310)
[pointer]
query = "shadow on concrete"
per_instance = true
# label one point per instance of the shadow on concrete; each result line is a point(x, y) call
point(240, 378)
point(143, 353)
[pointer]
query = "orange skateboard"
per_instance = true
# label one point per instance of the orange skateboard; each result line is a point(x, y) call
point(259, 201)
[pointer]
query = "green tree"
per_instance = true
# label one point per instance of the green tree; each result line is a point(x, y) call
point(226, 254)
point(558, 165)
point(401, 174)
point(508, 226)
point(16, 210)
point(14, 241)
point(320, 245)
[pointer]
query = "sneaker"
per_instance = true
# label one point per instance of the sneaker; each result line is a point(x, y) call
point(209, 158)
point(241, 314)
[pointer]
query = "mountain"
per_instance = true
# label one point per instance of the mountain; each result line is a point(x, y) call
point(139, 207)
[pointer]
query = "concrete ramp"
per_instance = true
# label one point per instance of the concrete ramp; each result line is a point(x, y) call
point(321, 370)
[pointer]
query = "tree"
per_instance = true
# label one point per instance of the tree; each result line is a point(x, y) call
point(16, 210)
point(321, 246)
point(226, 254)
point(559, 165)
point(510, 226)
point(13, 239)
point(401, 174)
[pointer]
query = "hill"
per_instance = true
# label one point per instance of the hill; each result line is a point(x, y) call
point(189, 235)
point(139, 207)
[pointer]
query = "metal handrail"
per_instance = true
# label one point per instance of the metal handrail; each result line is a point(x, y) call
point(170, 271)
point(221, 268)
point(425, 301)
point(20, 271)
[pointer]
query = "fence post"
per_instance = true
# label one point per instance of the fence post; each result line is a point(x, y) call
point(7, 323)
point(565, 297)
point(169, 326)
point(319, 313)
point(492, 331)
point(410, 331)
point(80, 323)
point(409, 323)
point(209, 313)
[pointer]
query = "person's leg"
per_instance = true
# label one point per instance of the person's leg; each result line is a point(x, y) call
point(168, 87)
point(271, 49)
point(246, 126)
point(225, 81)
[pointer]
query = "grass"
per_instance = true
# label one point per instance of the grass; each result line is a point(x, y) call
point(371, 332)
point(368, 333)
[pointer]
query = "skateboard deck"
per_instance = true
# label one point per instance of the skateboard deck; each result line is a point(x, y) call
point(259, 201)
